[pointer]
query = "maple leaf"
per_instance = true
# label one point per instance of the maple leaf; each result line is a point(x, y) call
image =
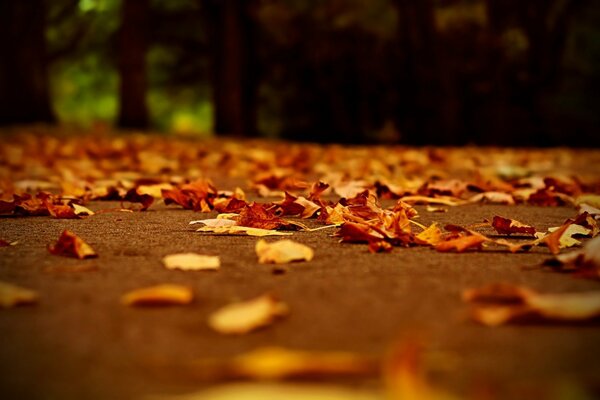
point(197, 195)
point(462, 243)
point(71, 245)
point(257, 216)
point(353, 232)
point(243, 317)
point(133, 196)
point(297, 206)
point(159, 295)
point(506, 226)
point(282, 252)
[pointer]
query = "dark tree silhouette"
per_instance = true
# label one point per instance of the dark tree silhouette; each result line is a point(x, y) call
point(234, 76)
point(24, 87)
point(132, 48)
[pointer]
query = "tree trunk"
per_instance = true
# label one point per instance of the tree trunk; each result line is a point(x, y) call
point(24, 87)
point(133, 43)
point(233, 66)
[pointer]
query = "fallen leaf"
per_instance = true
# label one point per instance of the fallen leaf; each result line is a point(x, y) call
point(282, 252)
point(215, 222)
point(380, 246)
point(81, 210)
point(244, 230)
point(276, 391)
point(192, 262)
point(506, 226)
point(585, 261)
point(445, 201)
point(497, 304)
point(71, 245)
point(159, 295)
point(278, 363)
point(257, 216)
point(243, 317)
point(431, 236)
point(404, 374)
point(13, 295)
point(461, 243)
point(493, 198)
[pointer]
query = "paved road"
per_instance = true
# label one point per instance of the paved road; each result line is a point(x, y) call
point(80, 342)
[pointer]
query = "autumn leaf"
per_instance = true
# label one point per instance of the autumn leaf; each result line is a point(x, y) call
point(192, 262)
point(197, 195)
point(461, 243)
point(493, 198)
point(277, 391)
point(404, 374)
point(13, 295)
point(282, 252)
point(258, 216)
point(278, 363)
point(498, 304)
point(71, 245)
point(133, 196)
point(243, 317)
point(242, 230)
point(506, 226)
point(585, 261)
point(159, 295)
point(430, 236)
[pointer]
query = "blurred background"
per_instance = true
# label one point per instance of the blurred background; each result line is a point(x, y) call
point(443, 72)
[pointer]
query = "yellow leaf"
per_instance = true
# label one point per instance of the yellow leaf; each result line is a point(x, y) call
point(160, 295)
point(13, 295)
point(192, 262)
point(243, 317)
point(243, 230)
point(282, 252)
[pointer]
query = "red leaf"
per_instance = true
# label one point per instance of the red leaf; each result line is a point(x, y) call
point(506, 226)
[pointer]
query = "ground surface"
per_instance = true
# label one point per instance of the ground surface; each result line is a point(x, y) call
point(80, 342)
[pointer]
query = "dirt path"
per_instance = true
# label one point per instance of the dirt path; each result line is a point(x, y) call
point(80, 342)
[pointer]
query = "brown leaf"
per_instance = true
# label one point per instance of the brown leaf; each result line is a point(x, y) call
point(461, 243)
point(133, 196)
point(244, 317)
point(197, 195)
point(159, 295)
point(282, 252)
point(13, 295)
point(257, 216)
point(506, 226)
point(585, 262)
point(380, 246)
point(502, 303)
point(71, 245)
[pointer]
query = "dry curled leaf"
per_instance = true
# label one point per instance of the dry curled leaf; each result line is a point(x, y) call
point(462, 243)
point(585, 261)
point(215, 222)
point(159, 295)
point(497, 304)
point(242, 230)
point(506, 226)
point(282, 252)
point(246, 316)
point(13, 295)
point(71, 245)
point(192, 262)
point(431, 236)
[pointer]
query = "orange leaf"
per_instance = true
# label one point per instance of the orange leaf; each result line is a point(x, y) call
point(71, 245)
